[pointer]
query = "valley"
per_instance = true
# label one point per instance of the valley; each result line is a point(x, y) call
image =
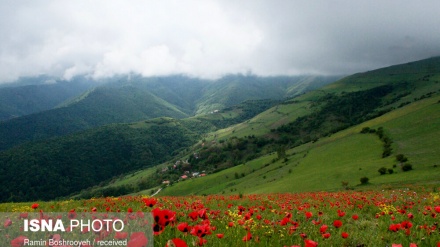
point(309, 141)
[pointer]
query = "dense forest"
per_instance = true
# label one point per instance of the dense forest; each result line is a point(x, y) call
point(59, 167)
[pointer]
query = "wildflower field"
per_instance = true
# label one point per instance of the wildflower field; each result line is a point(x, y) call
point(399, 217)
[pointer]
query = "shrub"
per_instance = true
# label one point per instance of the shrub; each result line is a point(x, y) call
point(365, 130)
point(407, 167)
point(379, 132)
point(386, 152)
point(390, 171)
point(382, 170)
point(401, 158)
point(364, 180)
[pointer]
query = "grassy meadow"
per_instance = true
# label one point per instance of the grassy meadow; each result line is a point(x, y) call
point(345, 156)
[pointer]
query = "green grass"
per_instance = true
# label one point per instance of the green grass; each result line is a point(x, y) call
point(344, 156)
point(264, 122)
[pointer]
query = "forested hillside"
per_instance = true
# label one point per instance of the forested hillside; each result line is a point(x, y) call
point(45, 93)
point(89, 158)
point(59, 167)
point(99, 107)
point(135, 98)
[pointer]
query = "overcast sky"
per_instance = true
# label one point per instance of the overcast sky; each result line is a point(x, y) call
point(210, 38)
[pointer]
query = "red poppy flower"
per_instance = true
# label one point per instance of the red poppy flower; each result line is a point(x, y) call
point(35, 206)
point(137, 239)
point(316, 222)
point(72, 214)
point(202, 214)
point(247, 237)
point(394, 227)
point(177, 242)
point(323, 228)
point(284, 221)
point(56, 237)
point(150, 202)
point(7, 223)
point(309, 215)
point(406, 224)
point(344, 235)
point(193, 215)
point(163, 217)
point(202, 241)
point(23, 215)
point(310, 243)
point(437, 209)
point(220, 235)
point(355, 217)
point(326, 235)
point(201, 230)
point(184, 227)
point(18, 241)
point(341, 213)
point(337, 223)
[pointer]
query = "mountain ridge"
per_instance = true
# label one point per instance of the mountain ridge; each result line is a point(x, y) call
point(128, 100)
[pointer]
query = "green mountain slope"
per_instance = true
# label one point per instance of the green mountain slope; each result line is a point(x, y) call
point(316, 115)
point(24, 100)
point(124, 100)
point(58, 167)
point(89, 158)
point(179, 90)
point(233, 89)
point(407, 83)
point(101, 106)
point(345, 156)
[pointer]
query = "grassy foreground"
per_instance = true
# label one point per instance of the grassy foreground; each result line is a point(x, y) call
point(399, 217)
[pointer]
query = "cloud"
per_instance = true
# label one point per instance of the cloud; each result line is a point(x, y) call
point(210, 38)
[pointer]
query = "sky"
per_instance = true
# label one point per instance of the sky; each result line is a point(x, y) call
point(210, 38)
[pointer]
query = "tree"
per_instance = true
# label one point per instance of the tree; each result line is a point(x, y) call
point(407, 167)
point(281, 152)
point(364, 180)
point(382, 170)
point(401, 158)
